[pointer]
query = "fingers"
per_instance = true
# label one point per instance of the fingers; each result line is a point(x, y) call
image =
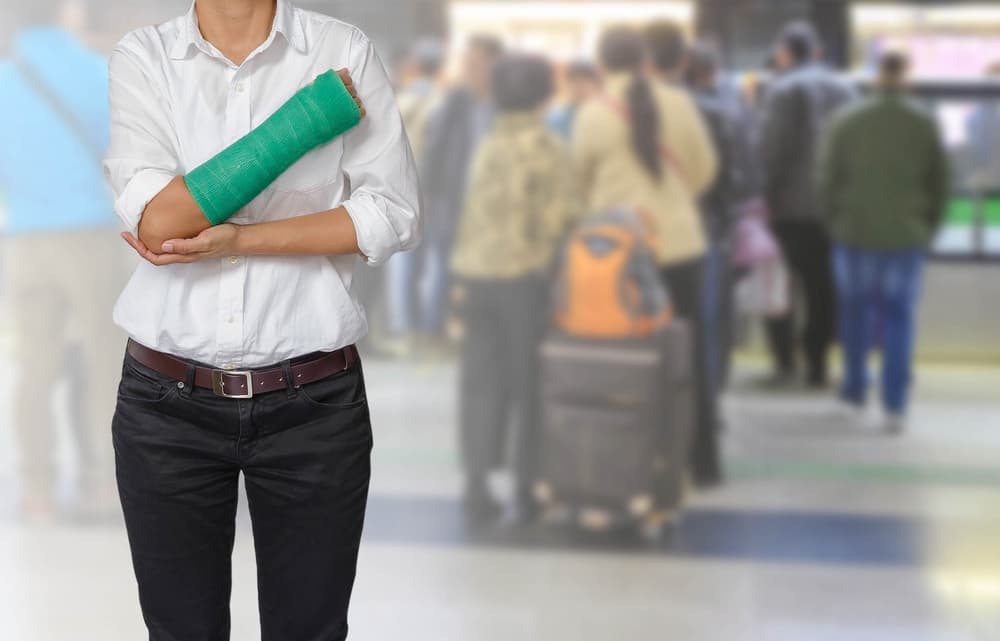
point(135, 243)
point(345, 77)
point(169, 259)
point(155, 259)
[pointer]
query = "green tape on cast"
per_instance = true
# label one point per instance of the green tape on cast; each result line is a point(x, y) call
point(316, 114)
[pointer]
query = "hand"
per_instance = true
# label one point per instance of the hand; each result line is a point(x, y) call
point(212, 243)
point(345, 77)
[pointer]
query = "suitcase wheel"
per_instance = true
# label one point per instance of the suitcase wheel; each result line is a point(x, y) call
point(543, 493)
point(640, 505)
point(594, 519)
point(655, 526)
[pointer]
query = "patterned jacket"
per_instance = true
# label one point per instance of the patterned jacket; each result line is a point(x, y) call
point(520, 201)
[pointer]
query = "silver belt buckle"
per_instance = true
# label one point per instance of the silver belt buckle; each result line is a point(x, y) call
point(219, 383)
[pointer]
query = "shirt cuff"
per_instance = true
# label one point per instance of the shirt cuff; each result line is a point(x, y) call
point(141, 188)
point(377, 239)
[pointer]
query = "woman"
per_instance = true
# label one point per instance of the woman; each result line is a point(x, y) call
point(241, 359)
point(518, 205)
point(644, 145)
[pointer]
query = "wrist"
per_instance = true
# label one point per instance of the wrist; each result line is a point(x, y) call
point(243, 241)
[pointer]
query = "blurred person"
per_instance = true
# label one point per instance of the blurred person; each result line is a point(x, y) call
point(982, 135)
point(884, 179)
point(643, 144)
point(62, 259)
point(450, 139)
point(418, 97)
point(518, 207)
point(728, 124)
point(242, 359)
point(668, 51)
point(583, 82)
point(420, 94)
point(800, 103)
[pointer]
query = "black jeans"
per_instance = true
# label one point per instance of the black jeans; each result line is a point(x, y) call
point(686, 282)
point(806, 247)
point(305, 456)
point(504, 323)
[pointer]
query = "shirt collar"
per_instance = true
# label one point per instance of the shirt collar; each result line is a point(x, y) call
point(287, 22)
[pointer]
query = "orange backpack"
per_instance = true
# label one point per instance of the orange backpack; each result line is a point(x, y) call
point(607, 284)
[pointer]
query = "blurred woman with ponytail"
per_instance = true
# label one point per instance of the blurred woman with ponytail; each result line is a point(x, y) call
point(643, 145)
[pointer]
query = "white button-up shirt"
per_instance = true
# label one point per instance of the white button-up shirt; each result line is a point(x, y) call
point(176, 101)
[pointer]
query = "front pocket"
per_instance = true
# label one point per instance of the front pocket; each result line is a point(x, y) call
point(340, 391)
point(140, 385)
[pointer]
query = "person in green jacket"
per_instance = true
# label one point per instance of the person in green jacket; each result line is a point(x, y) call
point(884, 184)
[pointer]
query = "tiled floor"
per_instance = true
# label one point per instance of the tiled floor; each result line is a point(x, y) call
point(826, 531)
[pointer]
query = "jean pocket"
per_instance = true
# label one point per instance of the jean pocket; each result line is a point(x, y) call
point(342, 391)
point(140, 384)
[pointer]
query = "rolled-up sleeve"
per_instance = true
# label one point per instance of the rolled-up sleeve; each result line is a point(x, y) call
point(384, 202)
point(141, 157)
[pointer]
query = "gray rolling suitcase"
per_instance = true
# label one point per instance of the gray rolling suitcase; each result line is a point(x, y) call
point(616, 427)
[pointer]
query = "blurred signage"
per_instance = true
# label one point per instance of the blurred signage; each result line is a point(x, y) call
point(956, 41)
point(561, 30)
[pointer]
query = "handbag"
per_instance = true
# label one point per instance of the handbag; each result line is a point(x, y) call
point(753, 243)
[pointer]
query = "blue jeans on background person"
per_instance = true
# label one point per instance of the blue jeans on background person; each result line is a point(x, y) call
point(435, 282)
point(718, 311)
point(880, 286)
point(417, 289)
point(401, 286)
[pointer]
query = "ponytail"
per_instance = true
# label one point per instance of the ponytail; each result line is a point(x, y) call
point(645, 120)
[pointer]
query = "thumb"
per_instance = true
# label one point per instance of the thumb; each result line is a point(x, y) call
point(185, 246)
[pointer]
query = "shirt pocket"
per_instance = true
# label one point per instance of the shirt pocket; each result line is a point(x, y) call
point(317, 169)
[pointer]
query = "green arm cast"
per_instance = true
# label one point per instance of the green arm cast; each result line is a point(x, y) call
point(316, 114)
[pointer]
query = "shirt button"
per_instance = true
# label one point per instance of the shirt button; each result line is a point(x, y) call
point(238, 87)
point(233, 260)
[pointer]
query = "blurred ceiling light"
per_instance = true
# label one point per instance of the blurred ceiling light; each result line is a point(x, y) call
point(623, 10)
point(561, 30)
point(897, 16)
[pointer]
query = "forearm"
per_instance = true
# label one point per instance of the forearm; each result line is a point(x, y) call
point(326, 233)
point(215, 190)
point(173, 213)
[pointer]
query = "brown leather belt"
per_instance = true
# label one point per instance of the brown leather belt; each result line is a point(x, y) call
point(246, 383)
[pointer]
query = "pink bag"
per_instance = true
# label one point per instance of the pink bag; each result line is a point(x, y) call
point(753, 242)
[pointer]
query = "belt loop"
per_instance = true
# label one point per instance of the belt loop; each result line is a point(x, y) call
point(290, 386)
point(188, 386)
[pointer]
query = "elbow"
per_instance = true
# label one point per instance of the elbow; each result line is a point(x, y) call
point(383, 229)
point(153, 233)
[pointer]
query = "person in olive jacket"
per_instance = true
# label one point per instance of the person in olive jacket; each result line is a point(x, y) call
point(884, 183)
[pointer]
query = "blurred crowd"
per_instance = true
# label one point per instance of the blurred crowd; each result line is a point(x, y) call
point(790, 196)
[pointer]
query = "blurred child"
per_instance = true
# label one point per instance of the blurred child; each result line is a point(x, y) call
point(518, 205)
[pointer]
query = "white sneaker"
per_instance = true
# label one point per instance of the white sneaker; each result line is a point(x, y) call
point(895, 423)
